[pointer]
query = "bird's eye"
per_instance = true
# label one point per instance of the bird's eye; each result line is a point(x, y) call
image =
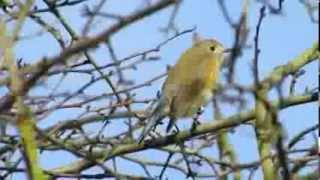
point(212, 48)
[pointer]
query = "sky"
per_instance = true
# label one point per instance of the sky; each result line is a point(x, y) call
point(282, 38)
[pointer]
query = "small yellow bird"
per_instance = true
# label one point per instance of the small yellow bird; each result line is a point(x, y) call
point(189, 85)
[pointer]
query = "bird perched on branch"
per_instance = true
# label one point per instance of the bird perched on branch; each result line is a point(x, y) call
point(189, 85)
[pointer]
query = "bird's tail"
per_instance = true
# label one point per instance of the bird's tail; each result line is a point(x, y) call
point(156, 116)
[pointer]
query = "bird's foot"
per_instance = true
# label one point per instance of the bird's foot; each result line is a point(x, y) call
point(196, 121)
point(176, 130)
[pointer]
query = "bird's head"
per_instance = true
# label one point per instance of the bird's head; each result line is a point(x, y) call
point(207, 48)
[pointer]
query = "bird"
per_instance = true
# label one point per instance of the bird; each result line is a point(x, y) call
point(189, 86)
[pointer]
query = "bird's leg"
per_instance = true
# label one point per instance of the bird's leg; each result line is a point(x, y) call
point(198, 114)
point(196, 117)
point(176, 129)
point(172, 122)
point(158, 94)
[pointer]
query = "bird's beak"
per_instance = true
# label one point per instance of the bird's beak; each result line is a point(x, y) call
point(227, 50)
